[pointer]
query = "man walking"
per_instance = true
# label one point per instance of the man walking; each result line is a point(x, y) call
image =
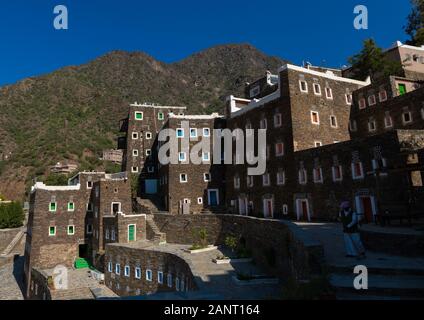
point(350, 220)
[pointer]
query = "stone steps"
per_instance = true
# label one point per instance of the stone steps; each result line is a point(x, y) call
point(13, 243)
point(158, 236)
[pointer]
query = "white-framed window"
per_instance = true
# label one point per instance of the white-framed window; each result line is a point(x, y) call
point(285, 209)
point(353, 125)
point(333, 121)
point(161, 116)
point(317, 144)
point(371, 100)
point(266, 181)
point(127, 271)
point(89, 229)
point(314, 117)
point(135, 135)
point(109, 266)
point(303, 177)
point(148, 152)
point(71, 230)
point(249, 181)
point(348, 98)
point(362, 103)
point(71, 206)
point(329, 93)
point(52, 231)
point(236, 182)
point(137, 273)
point(388, 121)
point(337, 173)
point(149, 275)
point(107, 234)
point(135, 153)
point(138, 115)
point(183, 177)
point(113, 235)
point(169, 280)
point(207, 177)
point(193, 133)
point(206, 132)
point(372, 125)
point(115, 207)
point(263, 123)
point(303, 86)
point(406, 117)
point(206, 156)
point(182, 156)
point(150, 169)
point(160, 277)
point(281, 177)
point(279, 149)
point(148, 135)
point(357, 171)
point(199, 200)
point(180, 133)
point(89, 184)
point(317, 89)
point(278, 120)
point(318, 178)
point(52, 206)
point(382, 95)
point(117, 268)
point(134, 169)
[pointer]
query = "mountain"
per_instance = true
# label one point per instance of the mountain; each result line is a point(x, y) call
point(73, 113)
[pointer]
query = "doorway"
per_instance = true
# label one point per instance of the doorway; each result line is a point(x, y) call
point(242, 206)
point(268, 208)
point(83, 251)
point(367, 209)
point(213, 197)
point(151, 186)
point(302, 208)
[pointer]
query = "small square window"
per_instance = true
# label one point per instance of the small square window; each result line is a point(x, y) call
point(89, 184)
point(134, 169)
point(303, 85)
point(193, 133)
point(135, 135)
point(206, 132)
point(348, 99)
point(148, 135)
point(150, 169)
point(52, 231)
point(314, 117)
point(183, 178)
point(71, 206)
point(207, 177)
point(52, 207)
point(206, 156)
point(371, 100)
point(182, 156)
point(149, 275)
point(407, 117)
point(362, 103)
point(279, 149)
point(388, 121)
point(148, 152)
point(317, 144)
point(138, 115)
point(277, 120)
point(382, 95)
point(266, 180)
point(71, 230)
point(180, 133)
point(317, 89)
point(372, 125)
point(137, 273)
point(200, 200)
point(161, 116)
point(135, 153)
point(127, 271)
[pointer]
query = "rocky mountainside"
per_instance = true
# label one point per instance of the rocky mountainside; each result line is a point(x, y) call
point(73, 113)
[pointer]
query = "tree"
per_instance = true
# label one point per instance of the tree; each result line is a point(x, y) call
point(415, 23)
point(55, 179)
point(11, 215)
point(372, 61)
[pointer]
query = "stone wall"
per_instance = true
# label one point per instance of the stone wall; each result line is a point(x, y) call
point(280, 247)
point(6, 236)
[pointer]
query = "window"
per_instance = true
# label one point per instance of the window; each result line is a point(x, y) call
point(127, 271)
point(372, 126)
point(137, 273)
point(183, 177)
point(382, 95)
point(177, 284)
point(109, 266)
point(71, 206)
point(317, 89)
point(149, 275)
point(388, 121)
point(107, 234)
point(135, 135)
point(266, 180)
point(52, 231)
point(237, 182)
point(138, 115)
point(249, 181)
point(200, 200)
point(206, 132)
point(337, 173)
point(206, 156)
point(333, 121)
point(148, 152)
point(89, 228)
point(371, 100)
point(303, 178)
point(89, 184)
point(329, 93)
point(117, 268)
point(314, 117)
point(207, 177)
point(357, 171)
point(281, 178)
point(406, 117)
point(193, 133)
point(353, 125)
point(169, 280)
point(278, 120)
point(317, 144)
point(254, 91)
point(362, 103)
point(71, 230)
point(148, 135)
point(402, 89)
point(150, 169)
point(263, 124)
point(52, 206)
point(113, 235)
point(160, 277)
point(303, 85)
point(348, 97)
point(115, 207)
point(279, 149)
point(89, 207)
point(285, 209)
point(134, 169)
point(182, 156)
point(318, 178)
point(161, 116)
point(135, 153)
point(180, 133)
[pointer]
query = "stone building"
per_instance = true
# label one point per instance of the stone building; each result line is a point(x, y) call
point(113, 156)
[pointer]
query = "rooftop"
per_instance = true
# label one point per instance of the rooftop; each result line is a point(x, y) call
point(154, 106)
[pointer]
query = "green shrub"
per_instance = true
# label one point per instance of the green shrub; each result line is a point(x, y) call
point(11, 215)
point(231, 242)
point(55, 179)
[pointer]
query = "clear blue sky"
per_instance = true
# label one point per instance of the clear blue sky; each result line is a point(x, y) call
point(310, 30)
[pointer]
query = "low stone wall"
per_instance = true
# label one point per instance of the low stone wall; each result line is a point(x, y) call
point(6, 236)
point(280, 247)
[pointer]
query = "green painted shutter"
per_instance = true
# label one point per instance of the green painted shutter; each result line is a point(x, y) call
point(131, 232)
point(402, 89)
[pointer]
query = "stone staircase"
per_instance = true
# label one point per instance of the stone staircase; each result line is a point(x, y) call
point(15, 241)
point(149, 204)
point(153, 232)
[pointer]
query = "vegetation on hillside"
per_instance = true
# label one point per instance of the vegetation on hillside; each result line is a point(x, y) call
point(11, 215)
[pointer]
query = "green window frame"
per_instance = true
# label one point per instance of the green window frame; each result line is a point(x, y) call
point(138, 115)
point(71, 206)
point(71, 230)
point(402, 89)
point(161, 116)
point(52, 206)
point(131, 232)
point(52, 231)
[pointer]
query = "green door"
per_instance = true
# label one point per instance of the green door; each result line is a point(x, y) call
point(402, 89)
point(131, 232)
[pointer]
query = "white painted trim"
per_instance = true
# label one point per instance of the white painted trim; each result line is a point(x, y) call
point(144, 105)
point(42, 186)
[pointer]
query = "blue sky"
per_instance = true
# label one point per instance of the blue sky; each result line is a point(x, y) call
point(318, 31)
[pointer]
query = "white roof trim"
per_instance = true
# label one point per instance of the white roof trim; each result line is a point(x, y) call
point(144, 105)
point(195, 117)
point(42, 186)
point(330, 76)
point(406, 46)
point(257, 103)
